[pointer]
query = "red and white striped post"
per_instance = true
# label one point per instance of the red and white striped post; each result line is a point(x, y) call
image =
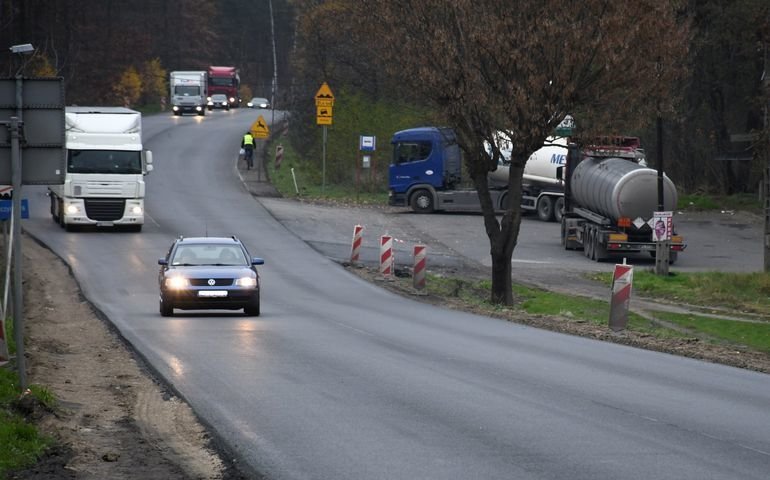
point(420, 260)
point(622, 281)
point(355, 249)
point(386, 255)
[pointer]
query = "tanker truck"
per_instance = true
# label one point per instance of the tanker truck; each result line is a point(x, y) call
point(609, 202)
point(425, 174)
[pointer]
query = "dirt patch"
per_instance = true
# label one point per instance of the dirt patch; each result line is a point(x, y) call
point(112, 419)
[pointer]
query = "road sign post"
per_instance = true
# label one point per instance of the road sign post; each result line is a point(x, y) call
point(324, 102)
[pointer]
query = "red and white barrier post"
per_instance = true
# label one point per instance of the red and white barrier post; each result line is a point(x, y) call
point(355, 249)
point(420, 261)
point(622, 281)
point(386, 255)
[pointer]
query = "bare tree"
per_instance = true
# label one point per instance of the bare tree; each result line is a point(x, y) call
point(519, 68)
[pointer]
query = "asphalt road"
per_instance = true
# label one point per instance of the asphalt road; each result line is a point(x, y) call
point(339, 379)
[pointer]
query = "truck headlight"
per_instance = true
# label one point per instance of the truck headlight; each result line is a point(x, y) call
point(232, 100)
point(246, 282)
point(177, 282)
point(72, 209)
point(136, 210)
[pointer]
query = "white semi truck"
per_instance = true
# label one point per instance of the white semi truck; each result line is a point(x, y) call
point(104, 181)
point(189, 90)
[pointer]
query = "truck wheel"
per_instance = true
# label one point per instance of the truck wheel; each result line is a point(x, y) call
point(587, 242)
point(598, 252)
point(545, 208)
point(422, 201)
point(558, 209)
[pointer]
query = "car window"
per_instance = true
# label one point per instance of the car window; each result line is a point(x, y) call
point(209, 255)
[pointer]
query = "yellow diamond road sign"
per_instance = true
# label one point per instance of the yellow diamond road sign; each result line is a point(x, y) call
point(324, 97)
point(259, 128)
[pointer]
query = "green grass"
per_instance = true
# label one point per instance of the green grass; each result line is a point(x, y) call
point(755, 336)
point(725, 331)
point(21, 445)
point(309, 183)
point(743, 201)
point(739, 292)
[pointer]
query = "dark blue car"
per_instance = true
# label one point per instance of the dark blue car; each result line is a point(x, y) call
point(201, 273)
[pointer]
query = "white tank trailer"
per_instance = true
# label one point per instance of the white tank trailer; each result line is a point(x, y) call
point(611, 201)
point(617, 187)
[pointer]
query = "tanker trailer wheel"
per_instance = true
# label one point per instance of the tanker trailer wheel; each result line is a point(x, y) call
point(587, 242)
point(598, 252)
point(558, 209)
point(545, 208)
point(422, 201)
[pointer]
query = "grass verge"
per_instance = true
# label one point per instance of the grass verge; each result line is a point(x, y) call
point(21, 444)
point(726, 339)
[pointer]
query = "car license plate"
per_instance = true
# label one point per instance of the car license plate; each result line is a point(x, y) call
point(212, 293)
point(105, 224)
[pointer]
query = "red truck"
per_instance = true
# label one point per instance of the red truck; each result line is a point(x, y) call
point(225, 80)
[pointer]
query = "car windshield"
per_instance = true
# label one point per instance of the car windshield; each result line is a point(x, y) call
point(209, 255)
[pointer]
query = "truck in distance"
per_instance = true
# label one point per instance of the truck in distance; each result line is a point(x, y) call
point(227, 81)
point(104, 178)
point(188, 92)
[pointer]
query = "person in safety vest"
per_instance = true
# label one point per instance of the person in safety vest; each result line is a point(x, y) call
point(247, 144)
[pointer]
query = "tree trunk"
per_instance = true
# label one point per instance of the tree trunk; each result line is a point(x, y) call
point(502, 234)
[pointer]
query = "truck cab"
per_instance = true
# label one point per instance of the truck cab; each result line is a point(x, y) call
point(425, 160)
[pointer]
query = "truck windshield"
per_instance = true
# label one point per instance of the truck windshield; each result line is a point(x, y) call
point(221, 82)
point(404, 152)
point(187, 91)
point(104, 161)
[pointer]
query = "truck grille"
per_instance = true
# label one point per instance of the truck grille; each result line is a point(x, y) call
point(105, 209)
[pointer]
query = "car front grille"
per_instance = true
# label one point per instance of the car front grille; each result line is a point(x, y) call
point(105, 210)
point(204, 282)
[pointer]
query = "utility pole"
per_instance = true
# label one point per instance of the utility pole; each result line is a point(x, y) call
point(662, 246)
point(766, 144)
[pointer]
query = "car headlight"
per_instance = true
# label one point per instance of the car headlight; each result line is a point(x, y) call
point(246, 282)
point(177, 282)
point(249, 104)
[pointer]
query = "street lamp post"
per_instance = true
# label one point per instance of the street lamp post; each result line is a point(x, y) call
point(16, 181)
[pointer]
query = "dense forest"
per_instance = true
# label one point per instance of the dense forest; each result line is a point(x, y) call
point(107, 50)
point(93, 44)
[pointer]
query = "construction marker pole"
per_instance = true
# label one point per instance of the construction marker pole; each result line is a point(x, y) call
point(386, 256)
point(420, 260)
point(355, 249)
point(622, 281)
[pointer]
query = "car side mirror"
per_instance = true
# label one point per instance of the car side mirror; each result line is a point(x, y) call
point(162, 261)
point(257, 261)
